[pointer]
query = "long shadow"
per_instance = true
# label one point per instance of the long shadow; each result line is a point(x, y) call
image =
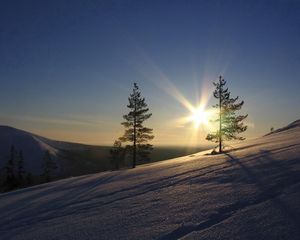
point(245, 147)
point(274, 150)
point(266, 193)
point(138, 190)
point(24, 202)
point(58, 207)
point(271, 191)
point(60, 210)
point(24, 207)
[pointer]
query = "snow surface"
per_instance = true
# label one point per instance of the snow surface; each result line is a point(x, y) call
point(251, 192)
point(32, 146)
point(292, 125)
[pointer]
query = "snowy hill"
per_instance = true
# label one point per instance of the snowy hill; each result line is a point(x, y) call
point(251, 192)
point(71, 158)
point(32, 146)
point(295, 124)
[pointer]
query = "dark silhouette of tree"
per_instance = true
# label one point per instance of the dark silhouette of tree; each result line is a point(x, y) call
point(11, 180)
point(15, 175)
point(230, 125)
point(117, 153)
point(21, 171)
point(135, 132)
point(49, 166)
point(28, 178)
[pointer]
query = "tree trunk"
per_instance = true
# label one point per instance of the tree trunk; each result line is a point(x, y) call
point(134, 149)
point(134, 137)
point(220, 117)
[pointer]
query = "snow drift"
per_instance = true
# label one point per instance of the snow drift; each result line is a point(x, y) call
point(250, 192)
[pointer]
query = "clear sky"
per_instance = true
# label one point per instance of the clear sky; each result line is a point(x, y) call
point(67, 67)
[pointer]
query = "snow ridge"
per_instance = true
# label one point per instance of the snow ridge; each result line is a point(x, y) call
point(295, 124)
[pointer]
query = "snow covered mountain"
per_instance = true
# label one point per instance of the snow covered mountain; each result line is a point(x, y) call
point(71, 158)
point(32, 146)
point(250, 192)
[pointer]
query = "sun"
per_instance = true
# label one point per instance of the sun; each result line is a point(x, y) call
point(199, 117)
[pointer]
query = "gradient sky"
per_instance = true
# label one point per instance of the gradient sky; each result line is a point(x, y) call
point(67, 67)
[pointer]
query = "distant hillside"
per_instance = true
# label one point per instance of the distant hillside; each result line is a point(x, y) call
point(32, 146)
point(73, 159)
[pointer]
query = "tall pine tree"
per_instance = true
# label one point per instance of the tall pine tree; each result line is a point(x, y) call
point(135, 132)
point(229, 124)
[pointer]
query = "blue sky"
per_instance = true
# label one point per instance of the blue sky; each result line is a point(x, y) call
point(67, 67)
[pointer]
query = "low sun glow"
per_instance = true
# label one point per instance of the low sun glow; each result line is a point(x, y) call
point(197, 122)
point(199, 116)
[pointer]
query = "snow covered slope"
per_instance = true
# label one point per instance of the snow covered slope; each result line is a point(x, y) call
point(32, 146)
point(71, 158)
point(251, 192)
point(288, 127)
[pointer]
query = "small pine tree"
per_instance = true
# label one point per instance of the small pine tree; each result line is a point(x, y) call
point(21, 171)
point(11, 180)
point(135, 132)
point(49, 166)
point(230, 125)
point(117, 153)
point(28, 178)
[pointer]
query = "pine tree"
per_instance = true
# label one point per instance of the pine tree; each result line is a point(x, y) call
point(135, 132)
point(117, 153)
point(21, 171)
point(28, 178)
point(49, 166)
point(10, 181)
point(230, 125)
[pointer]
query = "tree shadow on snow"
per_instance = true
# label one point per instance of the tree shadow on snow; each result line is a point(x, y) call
point(268, 190)
point(272, 177)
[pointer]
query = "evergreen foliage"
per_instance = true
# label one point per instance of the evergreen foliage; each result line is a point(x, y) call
point(28, 178)
point(135, 132)
point(21, 171)
point(117, 153)
point(15, 174)
point(49, 167)
point(10, 180)
point(230, 124)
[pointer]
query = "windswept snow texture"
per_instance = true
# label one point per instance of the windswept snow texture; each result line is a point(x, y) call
point(251, 192)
